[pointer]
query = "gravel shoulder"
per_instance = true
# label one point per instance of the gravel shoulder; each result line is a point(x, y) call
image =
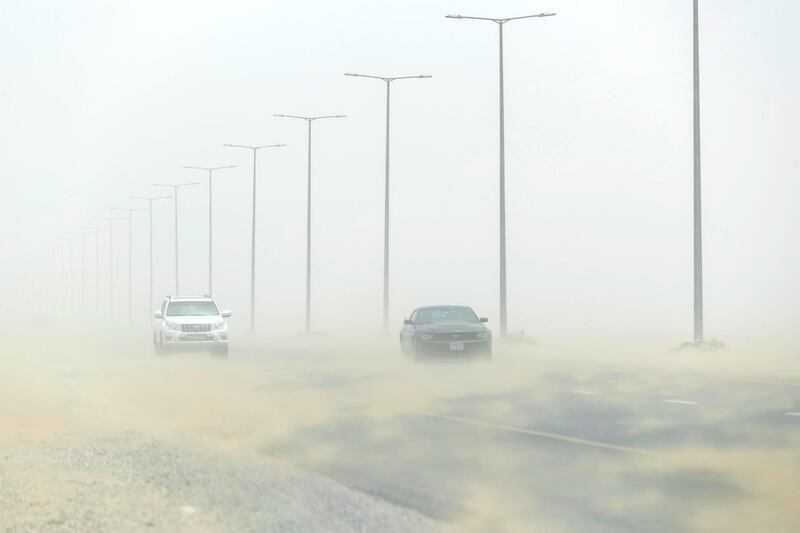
point(131, 483)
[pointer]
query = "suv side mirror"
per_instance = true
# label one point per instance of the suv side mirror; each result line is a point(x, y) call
point(484, 319)
point(226, 314)
point(408, 322)
point(158, 314)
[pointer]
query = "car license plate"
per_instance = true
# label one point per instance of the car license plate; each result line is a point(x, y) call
point(456, 346)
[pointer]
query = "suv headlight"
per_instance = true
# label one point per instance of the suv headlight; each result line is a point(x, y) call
point(218, 325)
point(484, 336)
point(174, 326)
point(425, 337)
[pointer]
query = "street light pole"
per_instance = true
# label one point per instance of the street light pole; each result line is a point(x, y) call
point(130, 259)
point(388, 81)
point(503, 301)
point(210, 171)
point(110, 221)
point(698, 213)
point(149, 208)
point(255, 150)
point(309, 121)
point(175, 188)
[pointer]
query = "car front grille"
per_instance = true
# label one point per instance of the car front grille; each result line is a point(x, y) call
point(455, 336)
point(195, 328)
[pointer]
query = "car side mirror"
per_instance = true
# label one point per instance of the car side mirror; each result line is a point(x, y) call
point(158, 314)
point(484, 319)
point(226, 314)
point(408, 322)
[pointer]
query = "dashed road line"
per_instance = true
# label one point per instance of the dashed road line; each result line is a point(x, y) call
point(793, 413)
point(681, 402)
point(542, 434)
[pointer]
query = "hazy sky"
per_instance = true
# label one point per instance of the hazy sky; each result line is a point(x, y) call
point(100, 99)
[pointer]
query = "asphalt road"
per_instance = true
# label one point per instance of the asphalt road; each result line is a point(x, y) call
point(534, 440)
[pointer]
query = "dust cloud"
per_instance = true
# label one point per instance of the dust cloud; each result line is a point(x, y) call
point(363, 415)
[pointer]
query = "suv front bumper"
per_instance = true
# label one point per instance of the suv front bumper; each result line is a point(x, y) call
point(178, 338)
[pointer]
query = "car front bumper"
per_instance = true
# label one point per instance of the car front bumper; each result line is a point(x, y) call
point(468, 347)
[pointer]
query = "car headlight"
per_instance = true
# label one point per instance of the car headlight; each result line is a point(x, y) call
point(173, 326)
point(218, 325)
point(425, 337)
point(484, 336)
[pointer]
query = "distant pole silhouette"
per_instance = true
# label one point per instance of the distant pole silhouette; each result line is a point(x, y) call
point(130, 259)
point(149, 200)
point(110, 221)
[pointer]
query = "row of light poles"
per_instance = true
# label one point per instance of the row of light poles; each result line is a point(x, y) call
point(500, 22)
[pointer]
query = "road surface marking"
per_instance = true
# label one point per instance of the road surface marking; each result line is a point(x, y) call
point(793, 413)
point(187, 509)
point(681, 402)
point(543, 434)
point(585, 392)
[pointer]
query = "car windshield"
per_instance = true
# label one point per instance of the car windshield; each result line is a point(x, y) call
point(446, 314)
point(192, 308)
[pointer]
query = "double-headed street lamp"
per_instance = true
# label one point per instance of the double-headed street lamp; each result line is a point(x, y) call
point(130, 258)
point(388, 81)
point(175, 188)
point(255, 150)
point(110, 221)
point(149, 208)
point(309, 121)
point(500, 23)
point(210, 171)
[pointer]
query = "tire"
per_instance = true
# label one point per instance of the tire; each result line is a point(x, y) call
point(158, 345)
point(413, 351)
point(487, 354)
point(403, 347)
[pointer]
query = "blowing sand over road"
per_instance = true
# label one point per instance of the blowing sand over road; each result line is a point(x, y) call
point(312, 436)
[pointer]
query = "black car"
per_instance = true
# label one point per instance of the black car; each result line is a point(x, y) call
point(445, 329)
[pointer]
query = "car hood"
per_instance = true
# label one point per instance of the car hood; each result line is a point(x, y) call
point(452, 327)
point(194, 319)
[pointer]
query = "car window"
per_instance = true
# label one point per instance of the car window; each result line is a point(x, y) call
point(192, 308)
point(447, 314)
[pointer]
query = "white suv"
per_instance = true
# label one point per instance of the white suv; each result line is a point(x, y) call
point(190, 322)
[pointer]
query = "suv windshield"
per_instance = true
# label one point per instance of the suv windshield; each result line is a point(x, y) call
point(189, 308)
point(446, 314)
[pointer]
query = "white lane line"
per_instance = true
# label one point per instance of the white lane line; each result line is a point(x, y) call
point(793, 413)
point(681, 402)
point(586, 392)
point(543, 434)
